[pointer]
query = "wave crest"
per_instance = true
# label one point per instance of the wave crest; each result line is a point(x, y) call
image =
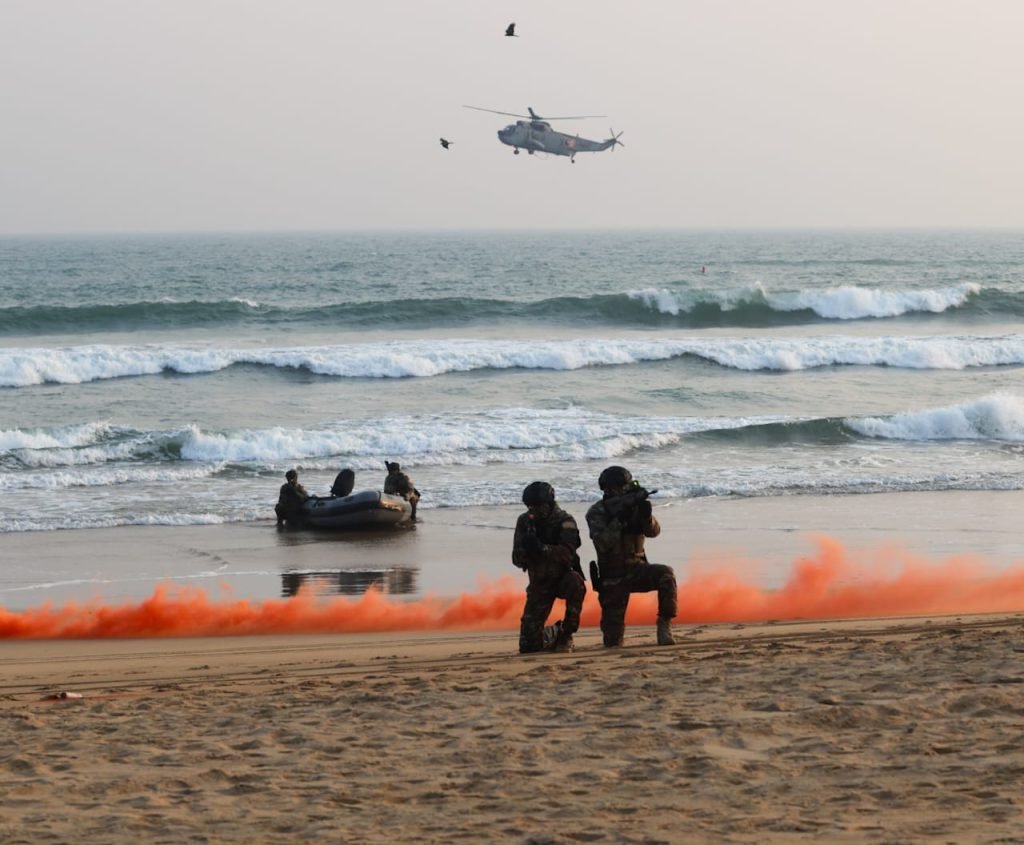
point(25, 367)
point(847, 302)
point(682, 307)
point(999, 417)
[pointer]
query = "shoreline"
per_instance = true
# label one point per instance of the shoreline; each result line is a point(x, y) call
point(455, 550)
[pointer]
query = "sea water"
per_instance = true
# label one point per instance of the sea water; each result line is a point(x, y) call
point(172, 380)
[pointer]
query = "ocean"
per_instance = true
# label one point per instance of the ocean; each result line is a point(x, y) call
point(172, 380)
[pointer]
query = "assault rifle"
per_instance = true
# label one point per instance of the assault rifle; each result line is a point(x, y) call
point(627, 501)
point(532, 542)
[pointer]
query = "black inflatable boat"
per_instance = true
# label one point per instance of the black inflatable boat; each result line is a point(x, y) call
point(362, 509)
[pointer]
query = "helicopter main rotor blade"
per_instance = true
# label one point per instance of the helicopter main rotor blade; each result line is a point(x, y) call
point(495, 111)
point(572, 117)
point(536, 116)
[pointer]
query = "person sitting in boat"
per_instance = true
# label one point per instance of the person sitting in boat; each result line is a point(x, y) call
point(290, 499)
point(344, 483)
point(398, 483)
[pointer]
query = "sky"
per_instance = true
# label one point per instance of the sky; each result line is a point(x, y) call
point(253, 115)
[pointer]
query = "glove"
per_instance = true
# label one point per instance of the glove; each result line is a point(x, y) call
point(640, 518)
point(532, 544)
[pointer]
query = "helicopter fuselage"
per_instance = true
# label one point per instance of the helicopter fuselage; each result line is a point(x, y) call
point(537, 136)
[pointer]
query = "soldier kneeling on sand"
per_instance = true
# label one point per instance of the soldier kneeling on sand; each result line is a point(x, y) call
point(618, 525)
point(545, 545)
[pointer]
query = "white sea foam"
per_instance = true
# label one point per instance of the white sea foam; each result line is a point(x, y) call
point(85, 456)
point(663, 301)
point(24, 367)
point(999, 417)
point(505, 436)
point(847, 302)
point(68, 437)
point(64, 522)
point(515, 435)
point(509, 437)
point(854, 303)
point(768, 481)
point(64, 479)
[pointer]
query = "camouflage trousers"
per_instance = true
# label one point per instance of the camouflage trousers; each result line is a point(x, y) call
point(540, 598)
point(638, 578)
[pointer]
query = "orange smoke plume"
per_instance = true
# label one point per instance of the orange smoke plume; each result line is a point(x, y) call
point(830, 584)
point(190, 612)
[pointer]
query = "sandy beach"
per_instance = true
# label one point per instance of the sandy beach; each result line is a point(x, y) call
point(771, 720)
point(895, 730)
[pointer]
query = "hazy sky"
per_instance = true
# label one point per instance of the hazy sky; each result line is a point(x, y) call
point(138, 115)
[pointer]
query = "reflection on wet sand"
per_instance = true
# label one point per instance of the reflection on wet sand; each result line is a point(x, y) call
point(399, 580)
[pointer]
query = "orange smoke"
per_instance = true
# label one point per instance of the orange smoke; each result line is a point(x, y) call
point(190, 612)
point(829, 584)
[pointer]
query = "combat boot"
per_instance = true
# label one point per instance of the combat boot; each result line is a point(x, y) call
point(613, 639)
point(551, 634)
point(563, 644)
point(665, 632)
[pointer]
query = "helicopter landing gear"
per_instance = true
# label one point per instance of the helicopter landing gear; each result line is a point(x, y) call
point(515, 152)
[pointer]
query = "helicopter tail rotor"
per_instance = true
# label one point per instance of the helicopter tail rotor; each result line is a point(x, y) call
point(615, 139)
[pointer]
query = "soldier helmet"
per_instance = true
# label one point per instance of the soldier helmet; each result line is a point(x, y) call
point(291, 475)
point(614, 477)
point(538, 493)
point(392, 466)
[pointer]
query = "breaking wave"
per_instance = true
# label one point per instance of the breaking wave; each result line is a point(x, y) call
point(655, 306)
point(62, 457)
point(999, 417)
point(100, 454)
point(24, 367)
point(758, 306)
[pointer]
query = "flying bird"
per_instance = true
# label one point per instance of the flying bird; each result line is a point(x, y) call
point(510, 31)
point(445, 143)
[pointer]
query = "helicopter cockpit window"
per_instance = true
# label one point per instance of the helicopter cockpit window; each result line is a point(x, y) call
point(539, 127)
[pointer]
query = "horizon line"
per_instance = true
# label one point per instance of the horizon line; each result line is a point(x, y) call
point(471, 230)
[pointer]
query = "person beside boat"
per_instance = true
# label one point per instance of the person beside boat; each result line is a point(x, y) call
point(397, 483)
point(290, 500)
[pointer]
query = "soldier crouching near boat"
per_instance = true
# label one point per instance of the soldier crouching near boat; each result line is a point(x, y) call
point(545, 545)
point(397, 483)
point(290, 500)
point(618, 525)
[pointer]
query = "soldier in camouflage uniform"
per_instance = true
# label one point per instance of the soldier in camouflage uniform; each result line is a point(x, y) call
point(618, 525)
point(545, 546)
point(290, 500)
point(397, 483)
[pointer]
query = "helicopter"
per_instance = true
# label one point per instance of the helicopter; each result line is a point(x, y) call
point(535, 135)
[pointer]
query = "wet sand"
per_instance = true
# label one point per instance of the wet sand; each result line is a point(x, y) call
point(454, 550)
